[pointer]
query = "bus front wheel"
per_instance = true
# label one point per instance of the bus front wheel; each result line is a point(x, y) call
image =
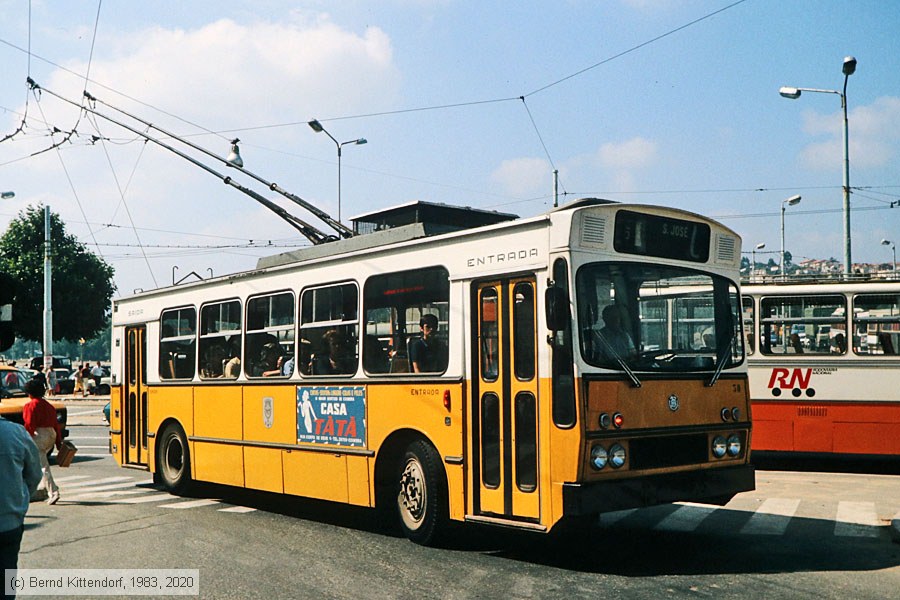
point(173, 462)
point(422, 494)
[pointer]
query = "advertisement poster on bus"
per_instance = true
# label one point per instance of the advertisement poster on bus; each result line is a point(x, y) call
point(331, 415)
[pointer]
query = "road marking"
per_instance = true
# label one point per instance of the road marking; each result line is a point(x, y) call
point(112, 486)
point(686, 517)
point(772, 517)
point(93, 447)
point(91, 495)
point(611, 518)
point(143, 499)
point(89, 437)
point(97, 481)
point(237, 509)
point(192, 503)
point(69, 478)
point(857, 519)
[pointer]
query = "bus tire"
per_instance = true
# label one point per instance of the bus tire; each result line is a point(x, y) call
point(173, 460)
point(422, 494)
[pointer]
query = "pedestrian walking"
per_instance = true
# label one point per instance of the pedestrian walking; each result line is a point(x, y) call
point(97, 373)
point(20, 472)
point(79, 380)
point(40, 421)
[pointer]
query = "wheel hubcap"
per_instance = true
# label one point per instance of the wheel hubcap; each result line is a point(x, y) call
point(174, 457)
point(412, 491)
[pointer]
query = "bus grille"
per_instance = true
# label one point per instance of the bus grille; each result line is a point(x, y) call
point(725, 248)
point(593, 231)
point(658, 452)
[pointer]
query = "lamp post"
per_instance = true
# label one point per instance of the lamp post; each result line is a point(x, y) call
point(753, 254)
point(784, 204)
point(894, 255)
point(317, 127)
point(793, 93)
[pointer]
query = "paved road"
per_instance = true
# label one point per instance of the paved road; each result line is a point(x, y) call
point(799, 535)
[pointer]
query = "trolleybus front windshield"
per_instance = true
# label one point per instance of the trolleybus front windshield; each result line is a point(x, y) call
point(640, 317)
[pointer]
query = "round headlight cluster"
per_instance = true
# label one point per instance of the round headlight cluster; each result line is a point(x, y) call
point(617, 456)
point(600, 457)
point(734, 444)
point(731, 446)
point(718, 446)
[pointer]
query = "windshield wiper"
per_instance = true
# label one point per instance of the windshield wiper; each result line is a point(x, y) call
point(720, 361)
point(612, 351)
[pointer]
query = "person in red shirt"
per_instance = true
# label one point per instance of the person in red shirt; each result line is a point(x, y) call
point(40, 421)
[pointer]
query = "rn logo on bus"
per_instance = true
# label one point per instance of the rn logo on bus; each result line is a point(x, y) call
point(796, 380)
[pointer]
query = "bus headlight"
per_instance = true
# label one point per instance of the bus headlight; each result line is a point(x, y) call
point(718, 446)
point(617, 456)
point(599, 457)
point(734, 444)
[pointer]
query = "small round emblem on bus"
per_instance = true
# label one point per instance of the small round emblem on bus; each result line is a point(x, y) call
point(673, 403)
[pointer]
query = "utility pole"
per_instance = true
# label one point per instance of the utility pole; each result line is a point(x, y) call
point(48, 304)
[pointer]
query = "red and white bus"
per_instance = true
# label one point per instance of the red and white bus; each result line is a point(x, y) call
point(824, 366)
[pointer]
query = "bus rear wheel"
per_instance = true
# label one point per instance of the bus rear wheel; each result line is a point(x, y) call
point(422, 494)
point(173, 461)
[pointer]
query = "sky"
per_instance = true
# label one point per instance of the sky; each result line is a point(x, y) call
point(667, 102)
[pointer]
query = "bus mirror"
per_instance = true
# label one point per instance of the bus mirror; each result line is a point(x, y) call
point(556, 301)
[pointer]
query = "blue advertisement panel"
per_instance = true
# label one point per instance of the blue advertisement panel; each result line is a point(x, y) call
point(331, 415)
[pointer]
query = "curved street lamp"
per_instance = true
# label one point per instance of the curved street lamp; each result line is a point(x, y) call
point(793, 200)
point(894, 255)
point(793, 93)
point(759, 246)
point(317, 127)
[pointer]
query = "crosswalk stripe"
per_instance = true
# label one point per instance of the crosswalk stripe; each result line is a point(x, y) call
point(856, 519)
point(111, 486)
point(69, 478)
point(191, 503)
point(97, 481)
point(98, 495)
point(611, 518)
point(237, 509)
point(686, 517)
point(772, 517)
point(143, 499)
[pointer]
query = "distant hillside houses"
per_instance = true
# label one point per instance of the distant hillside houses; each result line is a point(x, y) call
point(818, 268)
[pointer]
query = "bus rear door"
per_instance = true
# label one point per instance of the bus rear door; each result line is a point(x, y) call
point(135, 404)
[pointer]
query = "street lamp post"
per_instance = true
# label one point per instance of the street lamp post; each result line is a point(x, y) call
point(793, 93)
point(784, 204)
point(894, 256)
point(753, 254)
point(317, 127)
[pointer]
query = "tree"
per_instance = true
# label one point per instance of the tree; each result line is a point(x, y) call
point(82, 282)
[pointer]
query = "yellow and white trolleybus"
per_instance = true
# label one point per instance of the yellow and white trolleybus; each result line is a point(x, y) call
point(521, 373)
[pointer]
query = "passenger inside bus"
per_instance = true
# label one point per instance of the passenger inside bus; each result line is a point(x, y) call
point(840, 344)
point(796, 344)
point(616, 341)
point(426, 354)
point(334, 357)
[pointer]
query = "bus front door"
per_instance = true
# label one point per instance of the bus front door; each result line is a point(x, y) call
point(135, 405)
point(505, 400)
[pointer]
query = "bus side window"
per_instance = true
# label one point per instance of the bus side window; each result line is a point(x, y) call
point(270, 335)
point(177, 343)
point(396, 305)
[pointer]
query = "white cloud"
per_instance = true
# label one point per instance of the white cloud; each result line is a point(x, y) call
point(524, 176)
point(874, 133)
point(635, 153)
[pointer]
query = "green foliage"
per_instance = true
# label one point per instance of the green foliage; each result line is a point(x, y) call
point(82, 282)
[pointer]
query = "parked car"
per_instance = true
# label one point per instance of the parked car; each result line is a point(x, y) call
point(13, 397)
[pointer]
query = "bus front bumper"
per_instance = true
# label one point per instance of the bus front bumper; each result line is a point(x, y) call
point(714, 486)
